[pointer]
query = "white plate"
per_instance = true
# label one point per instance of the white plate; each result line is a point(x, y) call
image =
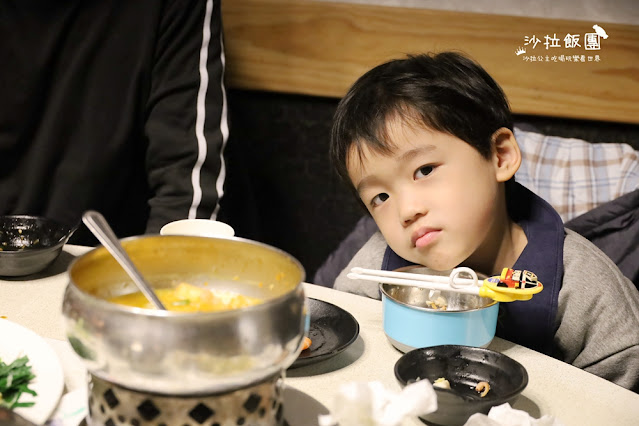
point(16, 341)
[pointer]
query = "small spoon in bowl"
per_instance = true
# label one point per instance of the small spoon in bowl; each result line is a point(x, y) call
point(98, 225)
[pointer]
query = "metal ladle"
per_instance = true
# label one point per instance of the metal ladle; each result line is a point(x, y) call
point(103, 232)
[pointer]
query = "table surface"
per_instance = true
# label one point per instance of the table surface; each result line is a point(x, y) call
point(555, 388)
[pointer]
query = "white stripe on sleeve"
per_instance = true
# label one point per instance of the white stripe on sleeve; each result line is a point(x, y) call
point(224, 129)
point(201, 112)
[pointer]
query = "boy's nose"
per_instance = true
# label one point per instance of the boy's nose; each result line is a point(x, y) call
point(410, 219)
point(411, 209)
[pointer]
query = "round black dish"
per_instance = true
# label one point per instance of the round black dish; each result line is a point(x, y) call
point(331, 330)
point(464, 367)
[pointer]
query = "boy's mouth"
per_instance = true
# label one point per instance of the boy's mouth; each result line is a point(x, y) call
point(424, 236)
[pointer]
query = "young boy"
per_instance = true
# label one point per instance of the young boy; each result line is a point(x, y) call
point(427, 144)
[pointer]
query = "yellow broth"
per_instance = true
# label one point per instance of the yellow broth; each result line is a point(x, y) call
point(189, 298)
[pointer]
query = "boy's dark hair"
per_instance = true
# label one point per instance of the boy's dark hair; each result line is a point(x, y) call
point(446, 92)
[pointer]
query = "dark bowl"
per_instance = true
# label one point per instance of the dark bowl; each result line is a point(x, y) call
point(464, 367)
point(28, 244)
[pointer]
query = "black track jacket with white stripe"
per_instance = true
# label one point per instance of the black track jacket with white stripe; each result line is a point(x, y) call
point(112, 105)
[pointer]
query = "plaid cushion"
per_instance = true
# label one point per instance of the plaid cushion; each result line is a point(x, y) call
point(573, 175)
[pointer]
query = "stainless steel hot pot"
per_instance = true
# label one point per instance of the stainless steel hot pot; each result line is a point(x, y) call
point(187, 353)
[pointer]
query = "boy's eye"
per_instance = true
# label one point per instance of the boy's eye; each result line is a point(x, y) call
point(423, 171)
point(379, 199)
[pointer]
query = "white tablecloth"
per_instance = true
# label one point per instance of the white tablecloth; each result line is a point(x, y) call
point(572, 395)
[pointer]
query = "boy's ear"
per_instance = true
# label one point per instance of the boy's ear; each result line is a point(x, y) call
point(506, 154)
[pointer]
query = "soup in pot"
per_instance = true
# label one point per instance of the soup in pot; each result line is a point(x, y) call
point(186, 297)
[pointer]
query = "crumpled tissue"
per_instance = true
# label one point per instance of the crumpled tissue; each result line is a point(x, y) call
point(505, 415)
point(71, 410)
point(371, 404)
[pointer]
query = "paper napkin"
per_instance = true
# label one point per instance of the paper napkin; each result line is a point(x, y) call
point(370, 404)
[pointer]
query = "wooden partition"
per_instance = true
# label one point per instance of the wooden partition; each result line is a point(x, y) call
point(320, 48)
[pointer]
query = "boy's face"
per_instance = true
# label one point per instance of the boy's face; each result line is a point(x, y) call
point(435, 199)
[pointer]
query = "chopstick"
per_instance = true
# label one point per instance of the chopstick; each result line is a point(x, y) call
point(489, 288)
point(431, 282)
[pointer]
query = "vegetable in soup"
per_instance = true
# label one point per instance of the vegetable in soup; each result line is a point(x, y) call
point(186, 297)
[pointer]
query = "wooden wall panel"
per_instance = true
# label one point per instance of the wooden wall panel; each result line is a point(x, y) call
point(318, 48)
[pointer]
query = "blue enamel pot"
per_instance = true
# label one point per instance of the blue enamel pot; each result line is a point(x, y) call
point(417, 318)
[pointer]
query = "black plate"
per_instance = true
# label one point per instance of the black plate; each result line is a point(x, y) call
point(331, 330)
point(464, 367)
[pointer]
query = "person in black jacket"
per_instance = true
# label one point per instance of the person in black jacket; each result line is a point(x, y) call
point(112, 105)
